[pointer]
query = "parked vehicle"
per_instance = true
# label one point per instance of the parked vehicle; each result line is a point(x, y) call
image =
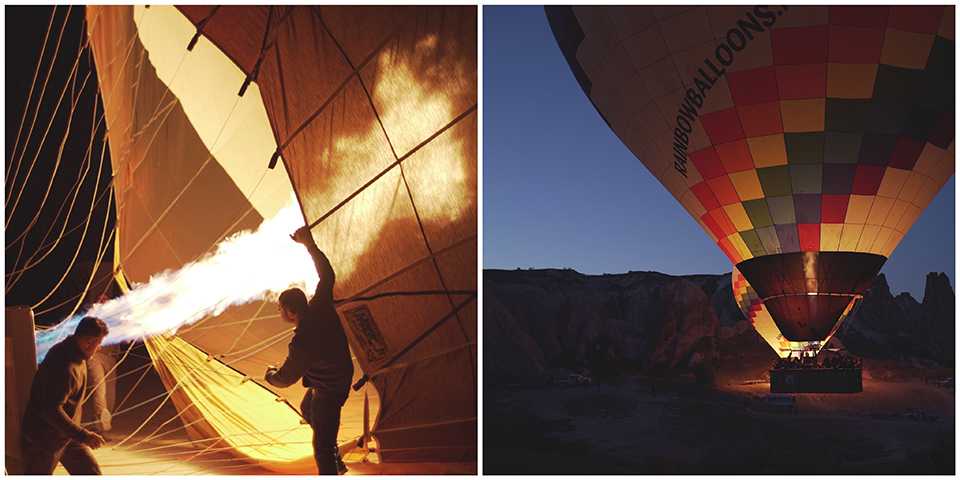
point(573, 379)
point(920, 415)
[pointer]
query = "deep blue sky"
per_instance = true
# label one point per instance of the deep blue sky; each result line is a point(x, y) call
point(560, 190)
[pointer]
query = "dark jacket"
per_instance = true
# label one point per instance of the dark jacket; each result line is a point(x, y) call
point(53, 411)
point(318, 352)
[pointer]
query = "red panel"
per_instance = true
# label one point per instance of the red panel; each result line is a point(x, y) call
point(798, 45)
point(723, 190)
point(906, 153)
point(797, 82)
point(735, 156)
point(874, 16)
point(722, 126)
point(867, 179)
point(726, 226)
point(833, 208)
point(753, 86)
point(729, 251)
point(916, 18)
point(707, 163)
point(761, 119)
point(856, 44)
point(809, 236)
point(713, 226)
point(705, 196)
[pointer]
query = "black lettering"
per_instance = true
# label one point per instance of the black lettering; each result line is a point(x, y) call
point(700, 85)
point(736, 35)
point(729, 55)
point(708, 78)
point(682, 120)
point(719, 73)
point(688, 111)
point(762, 12)
point(681, 168)
point(681, 151)
point(747, 26)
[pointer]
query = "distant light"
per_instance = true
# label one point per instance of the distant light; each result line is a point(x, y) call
point(811, 293)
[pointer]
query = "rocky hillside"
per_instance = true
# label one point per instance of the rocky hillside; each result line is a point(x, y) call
point(540, 324)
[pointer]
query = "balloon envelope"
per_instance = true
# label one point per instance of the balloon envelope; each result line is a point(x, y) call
point(805, 140)
point(367, 117)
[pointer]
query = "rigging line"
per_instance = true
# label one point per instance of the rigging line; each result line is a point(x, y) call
point(355, 73)
point(72, 262)
point(39, 101)
point(33, 82)
point(416, 341)
point(73, 74)
point(107, 374)
point(73, 102)
point(72, 298)
point(394, 164)
point(82, 178)
point(75, 191)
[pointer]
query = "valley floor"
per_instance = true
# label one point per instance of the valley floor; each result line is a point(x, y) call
point(644, 425)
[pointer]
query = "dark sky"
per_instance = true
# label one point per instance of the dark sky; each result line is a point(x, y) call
point(560, 190)
point(70, 140)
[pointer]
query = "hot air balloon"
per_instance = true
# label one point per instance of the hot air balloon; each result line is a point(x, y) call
point(364, 117)
point(805, 140)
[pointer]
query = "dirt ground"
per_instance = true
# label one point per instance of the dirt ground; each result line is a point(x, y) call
point(644, 425)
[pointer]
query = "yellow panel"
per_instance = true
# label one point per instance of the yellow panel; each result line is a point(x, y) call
point(906, 49)
point(867, 238)
point(896, 213)
point(944, 169)
point(850, 237)
point(802, 115)
point(891, 244)
point(830, 236)
point(927, 192)
point(857, 208)
point(740, 246)
point(881, 241)
point(768, 151)
point(911, 215)
point(879, 210)
point(746, 184)
point(850, 80)
point(928, 159)
point(912, 186)
point(739, 217)
point(893, 180)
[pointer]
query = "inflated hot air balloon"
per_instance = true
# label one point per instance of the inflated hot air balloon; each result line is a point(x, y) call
point(367, 116)
point(805, 140)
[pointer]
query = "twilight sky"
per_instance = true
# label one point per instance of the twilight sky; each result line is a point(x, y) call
point(560, 190)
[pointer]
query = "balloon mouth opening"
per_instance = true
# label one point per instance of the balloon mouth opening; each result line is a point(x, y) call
point(807, 293)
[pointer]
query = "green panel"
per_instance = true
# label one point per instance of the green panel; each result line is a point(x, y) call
point(775, 180)
point(771, 243)
point(896, 84)
point(841, 147)
point(805, 147)
point(758, 212)
point(752, 240)
point(886, 117)
point(846, 114)
point(806, 178)
point(781, 210)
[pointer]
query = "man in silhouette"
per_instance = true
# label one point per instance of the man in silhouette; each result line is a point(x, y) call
point(319, 354)
point(50, 432)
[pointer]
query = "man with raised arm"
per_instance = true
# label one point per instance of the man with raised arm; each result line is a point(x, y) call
point(319, 354)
